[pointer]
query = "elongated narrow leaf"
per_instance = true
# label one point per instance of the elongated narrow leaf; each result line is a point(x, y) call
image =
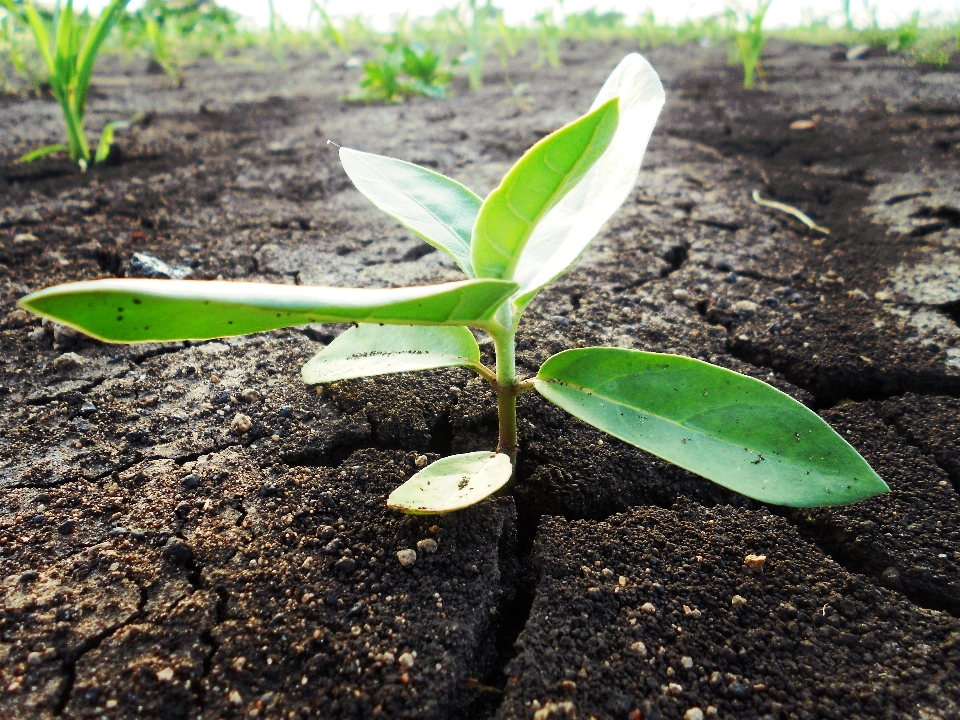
point(87, 54)
point(540, 179)
point(569, 226)
point(734, 430)
point(452, 483)
point(438, 209)
point(373, 350)
point(145, 310)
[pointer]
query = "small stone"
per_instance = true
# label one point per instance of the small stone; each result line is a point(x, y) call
point(407, 557)
point(66, 527)
point(165, 675)
point(241, 424)
point(34, 658)
point(739, 690)
point(346, 565)
point(326, 533)
point(639, 648)
point(68, 361)
point(428, 546)
point(890, 578)
point(738, 600)
point(687, 662)
point(13, 687)
point(235, 697)
point(648, 608)
point(286, 411)
point(693, 713)
point(799, 125)
point(28, 576)
point(24, 238)
point(249, 395)
point(270, 490)
point(421, 461)
point(565, 710)
point(88, 409)
point(190, 482)
point(731, 277)
point(746, 306)
point(681, 294)
point(148, 266)
point(674, 688)
point(406, 660)
point(755, 562)
point(177, 552)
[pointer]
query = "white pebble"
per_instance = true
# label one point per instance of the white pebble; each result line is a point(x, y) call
point(406, 660)
point(681, 294)
point(687, 662)
point(639, 648)
point(421, 461)
point(738, 600)
point(648, 608)
point(693, 714)
point(407, 557)
point(428, 546)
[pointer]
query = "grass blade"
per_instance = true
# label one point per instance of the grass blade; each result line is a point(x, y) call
point(44, 151)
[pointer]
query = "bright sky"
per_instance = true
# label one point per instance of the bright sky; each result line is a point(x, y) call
point(781, 13)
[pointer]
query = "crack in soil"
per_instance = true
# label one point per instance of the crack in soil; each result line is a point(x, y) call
point(207, 638)
point(92, 643)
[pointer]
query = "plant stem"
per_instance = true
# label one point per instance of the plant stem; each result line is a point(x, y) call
point(504, 342)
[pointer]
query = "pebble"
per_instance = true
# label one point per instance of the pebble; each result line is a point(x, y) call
point(177, 552)
point(755, 562)
point(746, 306)
point(731, 277)
point(639, 648)
point(648, 608)
point(249, 395)
point(68, 361)
point(165, 675)
point(406, 660)
point(22, 238)
point(738, 600)
point(88, 409)
point(693, 713)
point(428, 546)
point(269, 490)
point(407, 557)
point(241, 424)
point(681, 294)
point(34, 658)
point(687, 662)
point(148, 266)
point(66, 527)
point(326, 533)
point(345, 565)
point(286, 411)
point(421, 461)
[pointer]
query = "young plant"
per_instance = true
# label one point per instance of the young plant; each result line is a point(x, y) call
point(732, 429)
point(330, 31)
point(422, 66)
point(475, 21)
point(748, 37)
point(70, 55)
point(381, 81)
point(547, 34)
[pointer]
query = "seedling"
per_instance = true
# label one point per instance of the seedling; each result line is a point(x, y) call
point(547, 34)
point(732, 429)
point(70, 58)
point(748, 37)
point(381, 81)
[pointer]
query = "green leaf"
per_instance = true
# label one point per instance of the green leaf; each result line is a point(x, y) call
point(156, 310)
point(107, 136)
point(438, 209)
point(44, 151)
point(452, 483)
point(91, 46)
point(373, 350)
point(729, 428)
point(570, 225)
point(540, 179)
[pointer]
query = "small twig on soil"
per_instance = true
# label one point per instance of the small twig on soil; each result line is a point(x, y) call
point(790, 210)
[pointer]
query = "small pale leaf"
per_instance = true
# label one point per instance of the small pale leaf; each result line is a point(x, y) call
point(438, 209)
point(373, 350)
point(155, 310)
point(452, 483)
point(736, 431)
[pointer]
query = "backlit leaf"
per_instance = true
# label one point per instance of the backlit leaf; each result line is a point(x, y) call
point(540, 179)
point(452, 483)
point(438, 209)
point(373, 350)
point(729, 428)
point(566, 230)
point(153, 310)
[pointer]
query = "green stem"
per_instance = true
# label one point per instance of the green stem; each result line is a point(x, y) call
point(507, 390)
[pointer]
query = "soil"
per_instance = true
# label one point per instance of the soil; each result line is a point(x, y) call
point(188, 531)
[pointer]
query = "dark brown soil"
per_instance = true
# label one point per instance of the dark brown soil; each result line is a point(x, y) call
point(160, 558)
